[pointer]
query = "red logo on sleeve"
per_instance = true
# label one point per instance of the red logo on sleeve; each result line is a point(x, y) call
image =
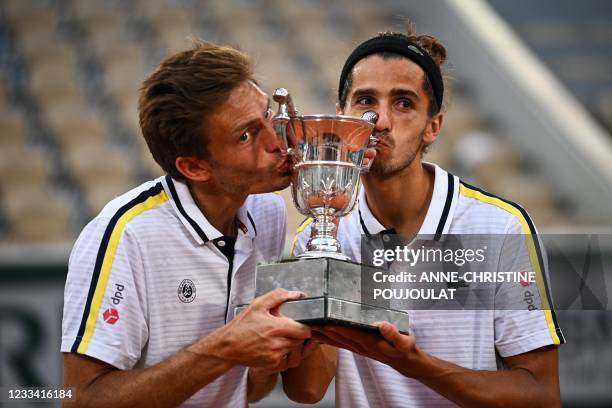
point(525, 281)
point(111, 315)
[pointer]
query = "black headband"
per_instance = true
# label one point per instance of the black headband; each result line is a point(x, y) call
point(401, 46)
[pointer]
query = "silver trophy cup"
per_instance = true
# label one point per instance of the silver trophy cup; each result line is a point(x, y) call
point(327, 153)
point(325, 175)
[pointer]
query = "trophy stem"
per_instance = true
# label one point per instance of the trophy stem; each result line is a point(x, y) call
point(323, 242)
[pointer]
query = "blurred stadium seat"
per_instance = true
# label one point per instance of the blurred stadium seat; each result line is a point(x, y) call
point(12, 127)
point(102, 173)
point(74, 125)
point(21, 168)
point(37, 214)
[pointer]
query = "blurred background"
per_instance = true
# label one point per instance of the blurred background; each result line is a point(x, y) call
point(530, 119)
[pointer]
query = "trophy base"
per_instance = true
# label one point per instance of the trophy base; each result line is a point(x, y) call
point(325, 309)
point(334, 293)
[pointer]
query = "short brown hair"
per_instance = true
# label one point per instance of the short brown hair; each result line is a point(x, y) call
point(429, 43)
point(175, 99)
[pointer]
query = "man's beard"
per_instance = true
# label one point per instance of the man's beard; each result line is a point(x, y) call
point(380, 168)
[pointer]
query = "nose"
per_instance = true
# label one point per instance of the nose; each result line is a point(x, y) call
point(272, 141)
point(384, 121)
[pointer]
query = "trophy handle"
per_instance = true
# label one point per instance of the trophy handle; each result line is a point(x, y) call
point(286, 112)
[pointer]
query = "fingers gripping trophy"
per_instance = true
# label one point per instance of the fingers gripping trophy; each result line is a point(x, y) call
point(327, 154)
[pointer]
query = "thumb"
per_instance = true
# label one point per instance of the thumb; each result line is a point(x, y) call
point(276, 297)
point(392, 335)
point(370, 154)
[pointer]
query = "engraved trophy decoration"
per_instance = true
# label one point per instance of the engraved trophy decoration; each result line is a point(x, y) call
point(327, 153)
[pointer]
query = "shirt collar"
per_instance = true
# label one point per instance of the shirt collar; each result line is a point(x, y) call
point(440, 211)
point(192, 218)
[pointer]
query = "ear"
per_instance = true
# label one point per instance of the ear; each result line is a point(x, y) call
point(193, 168)
point(433, 128)
point(339, 109)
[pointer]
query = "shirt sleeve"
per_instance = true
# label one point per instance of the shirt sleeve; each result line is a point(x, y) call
point(104, 298)
point(524, 315)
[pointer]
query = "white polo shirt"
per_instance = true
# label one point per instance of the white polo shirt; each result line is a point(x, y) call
point(470, 338)
point(150, 275)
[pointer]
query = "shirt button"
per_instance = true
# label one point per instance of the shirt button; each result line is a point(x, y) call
point(386, 238)
point(221, 243)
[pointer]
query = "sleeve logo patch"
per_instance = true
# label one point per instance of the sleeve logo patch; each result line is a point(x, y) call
point(111, 315)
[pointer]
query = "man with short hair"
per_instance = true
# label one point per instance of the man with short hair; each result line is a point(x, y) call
point(450, 357)
point(154, 279)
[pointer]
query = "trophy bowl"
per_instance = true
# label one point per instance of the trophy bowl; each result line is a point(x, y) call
point(327, 155)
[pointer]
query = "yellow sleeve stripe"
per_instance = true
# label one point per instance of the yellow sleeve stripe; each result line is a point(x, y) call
point(105, 258)
point(300, 229)
point(533, 250)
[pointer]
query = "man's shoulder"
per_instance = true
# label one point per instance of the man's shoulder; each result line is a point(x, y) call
point(147, 195)
point(140, 201)
point(476, 206)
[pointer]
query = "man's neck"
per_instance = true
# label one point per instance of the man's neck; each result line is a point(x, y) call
point(401, 200)
point(219, 207)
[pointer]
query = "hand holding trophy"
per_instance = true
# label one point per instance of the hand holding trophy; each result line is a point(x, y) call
point(327, 153)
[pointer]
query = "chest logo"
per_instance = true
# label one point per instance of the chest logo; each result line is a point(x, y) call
point(186, 291)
